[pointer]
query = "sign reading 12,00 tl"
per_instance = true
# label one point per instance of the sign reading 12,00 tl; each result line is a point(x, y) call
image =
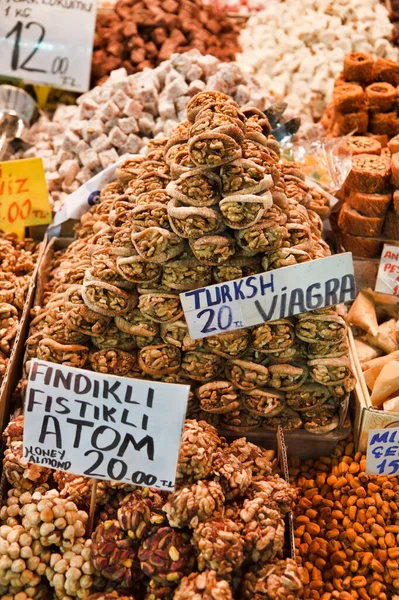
point(37, 45)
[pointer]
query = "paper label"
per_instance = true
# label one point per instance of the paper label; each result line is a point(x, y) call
point(269, 296)
point(383, 452)
point(103, 426)
point(24, 197)
point(388, 271)
point(48, 41)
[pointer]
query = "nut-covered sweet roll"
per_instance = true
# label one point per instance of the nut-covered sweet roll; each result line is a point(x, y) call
point(198, 445)
point(264, 236)
point(263, 402)
point(114, 338)
point(279, 581)
point(129, 169)
point(147, 183)
point(240, 421)
point(263, 530)
point(274, 336)
point(229, 109)
point(86, 321)
point(289, 355)
point(231, 344)
point(103, 267)
point(203, 99)
point(299, 236)
point(188, 506)
point(287, 377)
point(70, 355)
point(213, 249)
point(157, 245)
point(201, 366)
point(243, 210)
point(177, 334)
point(246, 375)
point(138, 270)
point(308, 396)
point(203, 586)
point(284, 257)
point(159, 196)
point(219, 546)
point(234, 477)
point(9, 322)
point(196, 187)
point(236, 268)
point(244, 177)
point(213, 149)
point(326, 350)
point(112, 361)
point(136, 324)
point(321, 420)
point(288, 419)
point(159, 360)
point(185, 274)
point(154, 214)
point(107, 299)
point(218, 397)
point(326, 328)
point(160, 307)
point(333, 372)
point(192, 222)
point(218, 123)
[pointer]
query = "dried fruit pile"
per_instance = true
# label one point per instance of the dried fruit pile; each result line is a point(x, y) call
point(346, 528)
point(142, 33)
point(210, 204)
point(221, 530)
point(17, 261)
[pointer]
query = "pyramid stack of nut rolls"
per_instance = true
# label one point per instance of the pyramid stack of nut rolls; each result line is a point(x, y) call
point(210, 204)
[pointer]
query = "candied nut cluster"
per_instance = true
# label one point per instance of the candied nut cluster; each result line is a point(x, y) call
point(205, 206)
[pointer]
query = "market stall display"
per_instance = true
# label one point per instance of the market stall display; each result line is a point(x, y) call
point(138, 34)
point(119, 117)
point(296, 48)
point(228, 508)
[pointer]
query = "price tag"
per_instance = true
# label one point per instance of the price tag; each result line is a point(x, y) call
point(269, 296)
point(48, 41)
point(24, 197)
point(388, 271)
point(383, 452)
point(102, 426)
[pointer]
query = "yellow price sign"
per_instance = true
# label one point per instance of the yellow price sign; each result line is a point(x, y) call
point(24, 199)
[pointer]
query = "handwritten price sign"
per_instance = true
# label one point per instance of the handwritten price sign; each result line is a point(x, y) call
point(23, 195)
point(388, 272)
point(48, 42)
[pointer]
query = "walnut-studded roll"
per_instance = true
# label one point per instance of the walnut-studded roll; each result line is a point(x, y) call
point(218, 397)
point(255, 116)
point(193, 222)
point(331, 371)
point(201, 366)
point(147, 183)
point(320, 328)
point(369, 174)
point(136, 269)
point(284, 257)
point(157, 245)
point(205, 98)
point(274, 336)
point(129, 169)
point(159, 196)
point(240, 421)
point(236, 268)
point(122, 240)
point(231, 344)
point(299, 236)
point(245, 374)
point(160, 306)
point(103, 265)
point(261, 237)
point(230, 109)
point(244, 177)
point(288, 377)
point(159, 360)
point(106, 299)
point(149, 215)
point(293, 354)
point(321, 420)
point(185, 274)
point(288, 420)
point(263, 403)
point(213, 149)
point(85, 321)
point(176, 334)
point(114, 338)
point(213, 249)
point(218, 123)
point(243, 210)
point(70, 355)
point(197, 187)
point(112, 361)
point(327, 350)
point(308, 396)
point(136, 324)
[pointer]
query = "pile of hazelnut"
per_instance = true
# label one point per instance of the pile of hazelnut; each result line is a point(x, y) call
point(220, 534)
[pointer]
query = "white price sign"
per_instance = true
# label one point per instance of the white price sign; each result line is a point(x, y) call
point(383, 452)
point(48, 42)
point(388, 271)
point(102, 426)
point(269, 296)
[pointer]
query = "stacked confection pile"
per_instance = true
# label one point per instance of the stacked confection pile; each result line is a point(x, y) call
point(296, 48)
point(143, 33)
point(219, 534)
point(209, 204)
point(119, 116)
point(17, 260)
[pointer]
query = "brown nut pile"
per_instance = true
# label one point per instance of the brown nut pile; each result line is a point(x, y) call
point(205, 206)
point(17, 261)
point(346, 528)
point(140, 33)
